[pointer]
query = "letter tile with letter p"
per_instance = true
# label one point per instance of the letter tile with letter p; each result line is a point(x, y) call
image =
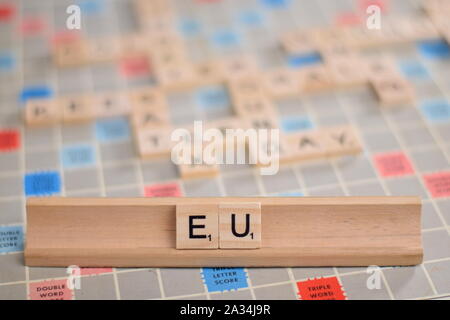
point(240, 225)
point(197, 226)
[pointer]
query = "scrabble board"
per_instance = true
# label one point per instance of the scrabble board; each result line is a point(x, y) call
point(405, 148)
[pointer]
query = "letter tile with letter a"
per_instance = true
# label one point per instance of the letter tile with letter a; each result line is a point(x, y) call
point(197, 226)
point(240, 225)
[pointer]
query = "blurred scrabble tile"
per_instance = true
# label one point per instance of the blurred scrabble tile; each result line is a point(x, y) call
point(305, 146)
point(418, 29)
point(197, 226)
point(248, 106)
point(69, 54)
point(380, 67)
point(145, 118)
point(153, 142)
point(208, 73)
point(176, 76)
point(246, 86)
point(159, 25)
point(347, 72)
point(240, 225)
point(132, 44)
point(76, 108)
point(42, 112)
point(195, 171)
point(329, 36)
point(103, 50)
point(111, 104)
point(168, 56)
point(281, 83)
point(298, 42)
point(261, 121)
point(148, 98)
point(393, 90)
point(238, 66)
point(341, 141)
point(315, 79)
point(330, 52)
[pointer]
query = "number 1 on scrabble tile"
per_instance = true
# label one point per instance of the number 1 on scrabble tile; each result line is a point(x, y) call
point(240, 225)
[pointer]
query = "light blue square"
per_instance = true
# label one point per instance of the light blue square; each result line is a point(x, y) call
point(251, 18)
point(212, 97)
point(275, 4)
point(11, 239)
point(225, 38)
point(296, 123)
point(91, 7)
point(221, 279)
point(303, 60)
point(436, 111)
point(7, 61)
point(112, 129)
point(78, 156)
point(414, 70)
point(290, 194)
point(189, 27)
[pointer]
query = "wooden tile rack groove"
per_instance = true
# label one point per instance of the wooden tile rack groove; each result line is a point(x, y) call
point(296, 231)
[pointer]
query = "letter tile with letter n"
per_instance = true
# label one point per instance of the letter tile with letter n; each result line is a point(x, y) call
point(197, 226)
point(240, 225)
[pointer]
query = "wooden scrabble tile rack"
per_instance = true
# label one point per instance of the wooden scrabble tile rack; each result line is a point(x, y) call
point(294, 231)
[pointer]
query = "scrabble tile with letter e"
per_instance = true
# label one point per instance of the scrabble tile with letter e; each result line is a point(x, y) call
point(197, 226)
point(240, 225)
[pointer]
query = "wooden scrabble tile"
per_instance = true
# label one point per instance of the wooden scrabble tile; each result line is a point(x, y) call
point(111, 104)
point(305, 146)
point(315, 79)
point(259, 121)
point(393, 90)
point(146, 118)
point(197, 226)
point(134, 44)
point(153, 142)
point(418, 29)
point(195, 171)
point(103, 50)
point(362, 37)
point(347, 72)
point(298, 42)
point(239, 225)
point(148, 98)
point(281, 83)
point(208, 73)
point(248, 106)
point(329, 36)
point(246, 86)
point(167, 56)
point(340, 141)
point(330, 52)
point(42, 112)
point(238, 66)
point(76, 108)
point(69, 54)
point(176, 76)
point(380, 67)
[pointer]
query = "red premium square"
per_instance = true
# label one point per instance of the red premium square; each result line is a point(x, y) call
point(393, 164)
point(438, 184)
point(163, 190)
point(321, 289)
point(50, 290)
point(9, 140)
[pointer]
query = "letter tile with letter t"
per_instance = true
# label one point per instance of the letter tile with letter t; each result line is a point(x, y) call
point(240, 225)
point(197, 226)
